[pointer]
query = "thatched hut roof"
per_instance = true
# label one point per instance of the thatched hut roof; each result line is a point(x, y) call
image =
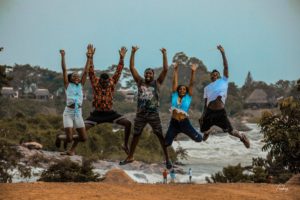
point(258, 96)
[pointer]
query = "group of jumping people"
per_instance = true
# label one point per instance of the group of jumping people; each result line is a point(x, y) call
point(103, 87)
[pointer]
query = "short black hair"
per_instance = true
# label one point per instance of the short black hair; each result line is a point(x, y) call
point(104, 76)
point(186, 87)
point(219, 75)
point(149, 69)
point(215, 71)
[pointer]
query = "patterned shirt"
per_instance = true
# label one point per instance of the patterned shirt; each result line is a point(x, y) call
point(103, 97)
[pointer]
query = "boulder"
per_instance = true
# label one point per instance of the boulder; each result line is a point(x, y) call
point(117, 176)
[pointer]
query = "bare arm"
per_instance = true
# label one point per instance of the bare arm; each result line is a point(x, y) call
point(175, 77)
point(64, 68)
point(192, 80)
point(120, 66)
point(89, 57)
point(163, 74)
point(225, 72)
point(134, 72)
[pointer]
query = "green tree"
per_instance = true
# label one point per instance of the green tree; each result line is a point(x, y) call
point(281, 134)
point(249, 80)
point(4, 79)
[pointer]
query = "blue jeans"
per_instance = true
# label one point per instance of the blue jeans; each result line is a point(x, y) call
point(183, 126)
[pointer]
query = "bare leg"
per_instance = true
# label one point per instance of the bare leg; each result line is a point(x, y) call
point(205, 135)
point(133, 145)
point(155, 123)
point(163, 146)
point(82, 137)
point(127, 125)
point(242, 137)
point(67, 137)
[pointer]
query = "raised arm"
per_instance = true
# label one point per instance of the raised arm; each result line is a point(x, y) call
point(175, 77)
point(134, 73)
point(192, 80)
point(163, 74)
point(117, 74)
point(94, 80)
point(64, 68)
point(225, 72)
point(89, 57)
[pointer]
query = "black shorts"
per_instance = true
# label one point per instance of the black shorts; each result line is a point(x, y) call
point(141, 120)
point(98, 117)
point(215, 117)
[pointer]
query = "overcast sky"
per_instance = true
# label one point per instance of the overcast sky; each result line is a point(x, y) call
point(261, 36)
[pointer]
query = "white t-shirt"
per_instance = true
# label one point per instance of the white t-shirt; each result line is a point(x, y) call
point(217, 88)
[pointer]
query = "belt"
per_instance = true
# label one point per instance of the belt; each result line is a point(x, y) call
point(73, 106)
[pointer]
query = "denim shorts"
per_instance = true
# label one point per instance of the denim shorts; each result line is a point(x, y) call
point(183, 126)
point(72, 118)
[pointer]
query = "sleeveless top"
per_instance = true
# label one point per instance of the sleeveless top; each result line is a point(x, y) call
point(74, 95)
point(182, 107)
point(148, 96)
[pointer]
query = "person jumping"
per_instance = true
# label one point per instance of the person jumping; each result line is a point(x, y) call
point(103, 89)
point(214, 100)
point(72, 116)
point(147, 105)
point(181, 101)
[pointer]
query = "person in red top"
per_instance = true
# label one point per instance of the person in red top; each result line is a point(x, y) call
point(165, 176)
point(103, 89)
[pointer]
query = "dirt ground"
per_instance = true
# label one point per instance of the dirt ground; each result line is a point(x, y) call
point(133, 191)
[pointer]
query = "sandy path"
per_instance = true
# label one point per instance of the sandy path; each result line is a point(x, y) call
point(90, 191)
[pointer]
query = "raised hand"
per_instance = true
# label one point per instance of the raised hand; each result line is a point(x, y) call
point(221, 49)
point(62, 52)
point(163, 50)
point(176, 65)
point(90, 51)
point(194, 67)
point(122, 52)
point(134, 49)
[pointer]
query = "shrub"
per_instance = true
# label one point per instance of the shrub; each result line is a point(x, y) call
point(68, 171)
point(9, 160)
